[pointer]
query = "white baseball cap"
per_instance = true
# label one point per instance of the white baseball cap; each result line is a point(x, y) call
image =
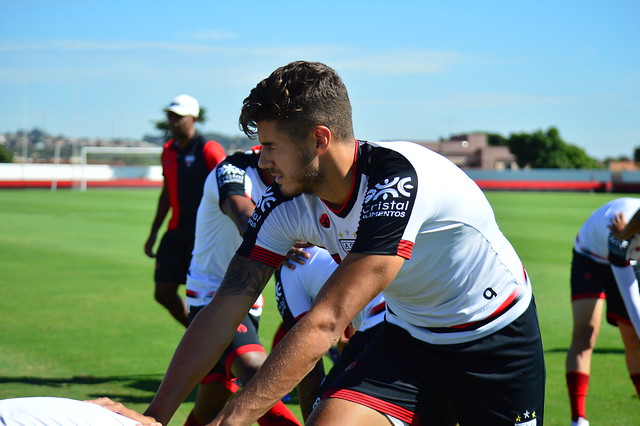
point(184, 105)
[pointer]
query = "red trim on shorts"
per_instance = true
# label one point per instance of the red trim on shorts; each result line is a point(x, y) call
point(379, 308)
point(405, 248)
point(614, 319)
point(379, 405)
point(193, 293)
point(265, 256)
point(596, 295)
point(230, 384)
point(240, 351)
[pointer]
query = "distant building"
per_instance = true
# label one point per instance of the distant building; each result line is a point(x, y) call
point(472, 151)
point(622, 165)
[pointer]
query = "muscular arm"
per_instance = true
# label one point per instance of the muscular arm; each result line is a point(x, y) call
point(354, 284)
point(161, 213)
point(623, 230)
point(308, 389)
point(239, 209)
point(209, 334)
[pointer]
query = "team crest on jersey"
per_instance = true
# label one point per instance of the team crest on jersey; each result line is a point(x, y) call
point(189, 159)
point(347, 243)
point(228, 173)
point(324, 221)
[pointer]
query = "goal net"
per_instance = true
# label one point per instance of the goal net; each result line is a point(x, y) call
point(119, 166)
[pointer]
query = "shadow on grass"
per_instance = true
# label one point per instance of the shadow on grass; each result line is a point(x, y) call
point(147, 383)
point(595, 350)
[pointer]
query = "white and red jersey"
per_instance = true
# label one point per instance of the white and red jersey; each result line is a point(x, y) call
point(217, 236)
point(296, 290)
point(592, 237)
point(461, 279)
point(52, 411)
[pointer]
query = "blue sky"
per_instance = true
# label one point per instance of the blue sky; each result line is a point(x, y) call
point(417, 70)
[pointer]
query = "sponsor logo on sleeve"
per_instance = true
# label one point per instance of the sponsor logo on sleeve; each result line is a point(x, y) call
point(228, 173)
point(390, 198)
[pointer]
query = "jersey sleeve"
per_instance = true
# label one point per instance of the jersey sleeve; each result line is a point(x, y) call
point(230, 180)
point(272, 228)
point(389, 219)
point(213, 154)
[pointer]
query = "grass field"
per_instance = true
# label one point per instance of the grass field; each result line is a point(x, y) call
point(79, 319)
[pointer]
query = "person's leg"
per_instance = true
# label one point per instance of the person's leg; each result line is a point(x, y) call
point(631, 353)
point(340, 412)
point(166, 293)
point(244, 366)
point(587, 314)
point(172, 263)
point(211, 398)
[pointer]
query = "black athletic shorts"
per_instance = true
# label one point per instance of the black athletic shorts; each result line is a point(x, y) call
point(496, 380)
point(590, 279)
point(174, 256)
point(245, 340)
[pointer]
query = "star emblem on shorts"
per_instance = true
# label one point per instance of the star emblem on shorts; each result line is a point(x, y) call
point(527, 415)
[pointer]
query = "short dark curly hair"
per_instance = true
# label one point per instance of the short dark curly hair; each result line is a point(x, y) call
point(299, 96)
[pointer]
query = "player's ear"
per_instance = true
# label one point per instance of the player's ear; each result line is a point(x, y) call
point(322, 136)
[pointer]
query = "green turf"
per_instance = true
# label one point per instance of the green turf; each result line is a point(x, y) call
point(79, 320)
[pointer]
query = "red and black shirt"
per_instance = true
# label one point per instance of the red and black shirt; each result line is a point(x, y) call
point(185, 172)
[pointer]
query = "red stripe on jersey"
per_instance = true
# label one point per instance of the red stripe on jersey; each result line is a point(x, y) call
point(265, 256)
point(368, 401)
point(213, 154)
point(501, 309)
point(170, 173)
point(405, 248)
point(336, 258)
point(240, 351)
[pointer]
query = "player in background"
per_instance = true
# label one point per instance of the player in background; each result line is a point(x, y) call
point(601, 271)
point(461, 327)
point(226, 206)
point(187, 159)
point(296, 289)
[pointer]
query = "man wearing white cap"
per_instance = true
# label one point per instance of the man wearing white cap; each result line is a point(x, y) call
point(187, 159)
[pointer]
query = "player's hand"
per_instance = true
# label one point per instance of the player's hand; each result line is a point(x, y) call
point(148, 246)
point(119, 408)
point(618, 225)
point(296, 255)
point(617, 251)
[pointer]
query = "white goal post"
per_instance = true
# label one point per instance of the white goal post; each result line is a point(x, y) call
point(84, 150)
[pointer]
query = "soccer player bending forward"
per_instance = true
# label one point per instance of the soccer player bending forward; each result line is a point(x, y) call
point(461, 341)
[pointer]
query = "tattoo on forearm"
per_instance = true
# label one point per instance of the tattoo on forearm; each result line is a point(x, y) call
point(245, 276)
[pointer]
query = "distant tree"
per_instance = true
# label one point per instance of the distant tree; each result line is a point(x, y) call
point(6, 156)
point(495, 139)
point(163, 125)
point(636, 154)
point(548, 150)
